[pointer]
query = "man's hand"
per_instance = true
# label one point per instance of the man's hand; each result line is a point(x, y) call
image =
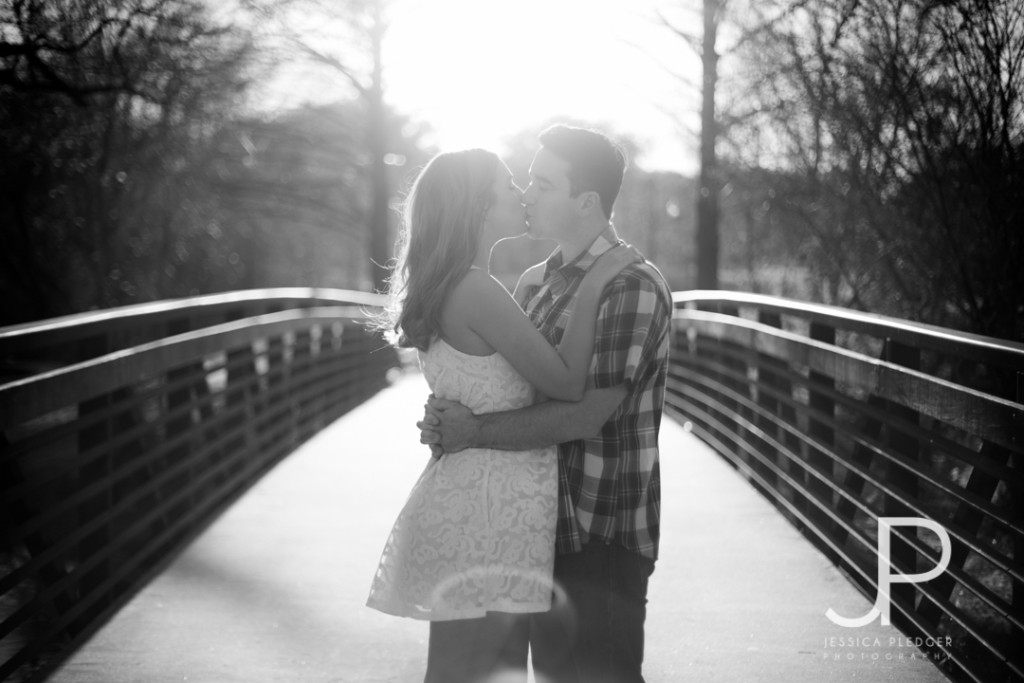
point(452, 427)
point(447, 426)
point(428, 435)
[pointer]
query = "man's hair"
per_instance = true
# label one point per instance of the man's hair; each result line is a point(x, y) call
point(595, 162)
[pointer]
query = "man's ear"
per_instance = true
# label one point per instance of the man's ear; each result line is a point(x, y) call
point(588, 202)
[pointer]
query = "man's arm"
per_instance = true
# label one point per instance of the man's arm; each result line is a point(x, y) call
point(453, 427)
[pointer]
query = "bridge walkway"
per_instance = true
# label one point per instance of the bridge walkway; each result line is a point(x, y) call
point(274, 590)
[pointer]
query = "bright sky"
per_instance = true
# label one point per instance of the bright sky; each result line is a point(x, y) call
point(479, 70)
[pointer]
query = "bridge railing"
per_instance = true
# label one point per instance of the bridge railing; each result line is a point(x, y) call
point(129, 430)
point(840, 418)
point(31, 348)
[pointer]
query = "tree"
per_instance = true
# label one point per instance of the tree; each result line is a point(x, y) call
point(903, 122)
point(105, 109)
point(291, 195)
point(739, 21)
point(707, 195)
point(710, 182)
point(349, 42)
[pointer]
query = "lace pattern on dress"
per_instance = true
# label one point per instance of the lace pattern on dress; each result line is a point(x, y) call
point(477, 531)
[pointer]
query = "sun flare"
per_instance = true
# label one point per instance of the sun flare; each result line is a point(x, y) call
point(479, 71)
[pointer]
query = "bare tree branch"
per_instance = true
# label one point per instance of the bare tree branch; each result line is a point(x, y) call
point(691, 39)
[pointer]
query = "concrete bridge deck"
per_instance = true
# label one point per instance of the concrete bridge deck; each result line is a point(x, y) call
point(275, 589)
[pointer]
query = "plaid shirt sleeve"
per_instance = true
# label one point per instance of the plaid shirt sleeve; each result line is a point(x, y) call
point(631, 322)
point(613, 477)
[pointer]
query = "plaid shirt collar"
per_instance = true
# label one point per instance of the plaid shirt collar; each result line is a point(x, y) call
point(559, 275)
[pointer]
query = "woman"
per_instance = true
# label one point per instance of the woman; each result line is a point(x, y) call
point(474, 544)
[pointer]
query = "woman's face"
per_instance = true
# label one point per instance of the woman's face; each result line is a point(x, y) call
point(506, 217)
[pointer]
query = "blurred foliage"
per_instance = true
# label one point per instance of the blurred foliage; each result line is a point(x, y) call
point(104, 116)
point(135, 172)
point(345, 38)
point(876, 149)
point(870, 157)
point(132, 171)
point(293, 194)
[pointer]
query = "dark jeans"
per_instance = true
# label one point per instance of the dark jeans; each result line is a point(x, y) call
point(594, 632)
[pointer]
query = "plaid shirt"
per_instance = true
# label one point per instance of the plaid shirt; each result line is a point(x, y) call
point(609, 485)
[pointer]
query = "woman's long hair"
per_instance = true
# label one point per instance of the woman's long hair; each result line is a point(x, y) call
point(440, 236)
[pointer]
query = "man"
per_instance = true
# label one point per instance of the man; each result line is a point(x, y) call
point(609, 489)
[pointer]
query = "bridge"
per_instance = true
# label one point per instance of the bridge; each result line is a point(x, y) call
point(182, 501)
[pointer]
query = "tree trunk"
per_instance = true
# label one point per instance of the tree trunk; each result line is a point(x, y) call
point(707, 197)
point(379, 233)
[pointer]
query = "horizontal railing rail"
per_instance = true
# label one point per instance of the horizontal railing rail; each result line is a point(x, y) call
point(110, 463)
point(30, 348)
point(840, 418)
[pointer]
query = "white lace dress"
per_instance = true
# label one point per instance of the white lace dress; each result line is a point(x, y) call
point(477, 532)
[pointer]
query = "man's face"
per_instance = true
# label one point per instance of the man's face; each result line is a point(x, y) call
point(550, 211)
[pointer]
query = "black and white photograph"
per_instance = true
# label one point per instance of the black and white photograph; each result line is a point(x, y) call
point(556, 341)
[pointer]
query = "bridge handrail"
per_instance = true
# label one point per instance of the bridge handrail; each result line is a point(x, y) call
point(840, 418)
point(71, 338)
point(922, 335)
point(24, 399)
point(961, 406)
point(113, 455)
point(157, 310)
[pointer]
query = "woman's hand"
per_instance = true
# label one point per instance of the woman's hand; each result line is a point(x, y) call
point(610, 264)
